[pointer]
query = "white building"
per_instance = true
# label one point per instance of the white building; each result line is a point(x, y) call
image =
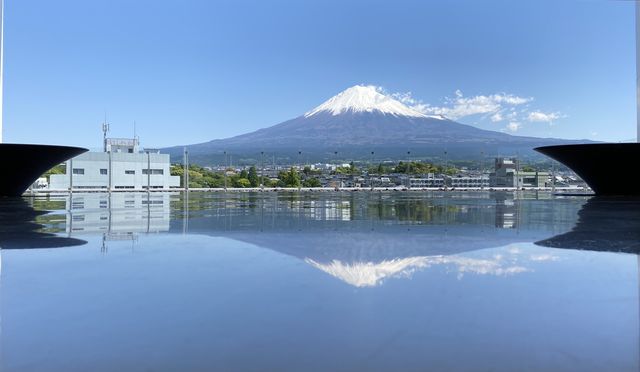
point(507, 173)
point(468, 181)
point(427, 180)
point(121, 166)
point(504, 174)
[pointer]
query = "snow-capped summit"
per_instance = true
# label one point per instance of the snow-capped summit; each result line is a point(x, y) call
point(361, 98)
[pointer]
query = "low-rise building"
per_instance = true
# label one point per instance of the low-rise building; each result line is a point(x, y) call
point(121, 166)
point(462, 182)
point(507, 173)
point(424, 181)
point(504, 173)
point(533, 179)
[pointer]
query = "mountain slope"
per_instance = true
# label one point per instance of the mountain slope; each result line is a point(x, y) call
point(361, 120)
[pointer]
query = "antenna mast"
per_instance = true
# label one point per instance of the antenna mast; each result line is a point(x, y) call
point(105, 130)
point(1, 60)
point(637, 72)
point(136, 139)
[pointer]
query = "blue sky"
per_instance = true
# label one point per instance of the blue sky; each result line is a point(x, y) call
point(196, 70)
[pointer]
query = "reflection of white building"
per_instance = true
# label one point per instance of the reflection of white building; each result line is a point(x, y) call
point(115, 214)
point(324, 210)
point(506, 214)
point(121, 166)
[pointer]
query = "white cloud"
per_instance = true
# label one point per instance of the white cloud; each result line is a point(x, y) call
point(408, 99)
point(541, 117)
point(497, 117)
point(543, 257)
point(371, 274)
point(498, 107)
point(405, 98)
point(513, 126)
point(460, 106)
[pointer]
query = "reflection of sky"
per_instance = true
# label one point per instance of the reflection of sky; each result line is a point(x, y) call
point(455, 293)
point(195, 302)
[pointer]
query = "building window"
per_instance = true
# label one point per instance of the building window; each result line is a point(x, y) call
point(103, 171)
point(153, 171)
point(129, 172)
point(78, 170)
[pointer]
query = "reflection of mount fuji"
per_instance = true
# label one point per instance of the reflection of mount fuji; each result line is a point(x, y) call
point(364, 240)
point(604, 224)
point(366, 258)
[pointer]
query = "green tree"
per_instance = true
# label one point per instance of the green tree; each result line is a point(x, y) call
point(242, 182)
point(58, 169)
point(198, 176)
point(417, 167)
point(311, 182)
point(352, 168)
point(289, 178)
point(253, 177)
point(267, 182)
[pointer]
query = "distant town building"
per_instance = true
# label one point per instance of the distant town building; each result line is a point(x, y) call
point(381, 181)
point(121, 166)
point(462, 182)
point(504, 174)
point(507, 173)
point(41, 183)
point(424, 181)
point(533, 179)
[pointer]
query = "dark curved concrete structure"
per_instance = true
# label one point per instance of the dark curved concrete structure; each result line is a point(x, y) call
point(21, 165)
point(605, 224)
point(603, 166)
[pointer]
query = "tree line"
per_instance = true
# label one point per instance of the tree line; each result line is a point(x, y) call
point(200, 177)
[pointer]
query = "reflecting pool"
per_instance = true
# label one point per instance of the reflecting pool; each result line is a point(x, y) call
point(328, 281)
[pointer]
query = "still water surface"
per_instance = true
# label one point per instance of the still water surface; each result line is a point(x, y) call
point(319, 282)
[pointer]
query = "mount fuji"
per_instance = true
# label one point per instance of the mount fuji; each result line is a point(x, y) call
point(358, 122)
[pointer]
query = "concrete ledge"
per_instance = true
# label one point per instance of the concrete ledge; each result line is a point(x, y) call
point(307, 189)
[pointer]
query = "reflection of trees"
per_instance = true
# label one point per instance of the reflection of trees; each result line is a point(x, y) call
point(198, 201)
point(24, 227)
point(50, 222)
point(404, 207)
point(412, 210)
point(295, 210)
point(48, 204)
point(353, 206)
